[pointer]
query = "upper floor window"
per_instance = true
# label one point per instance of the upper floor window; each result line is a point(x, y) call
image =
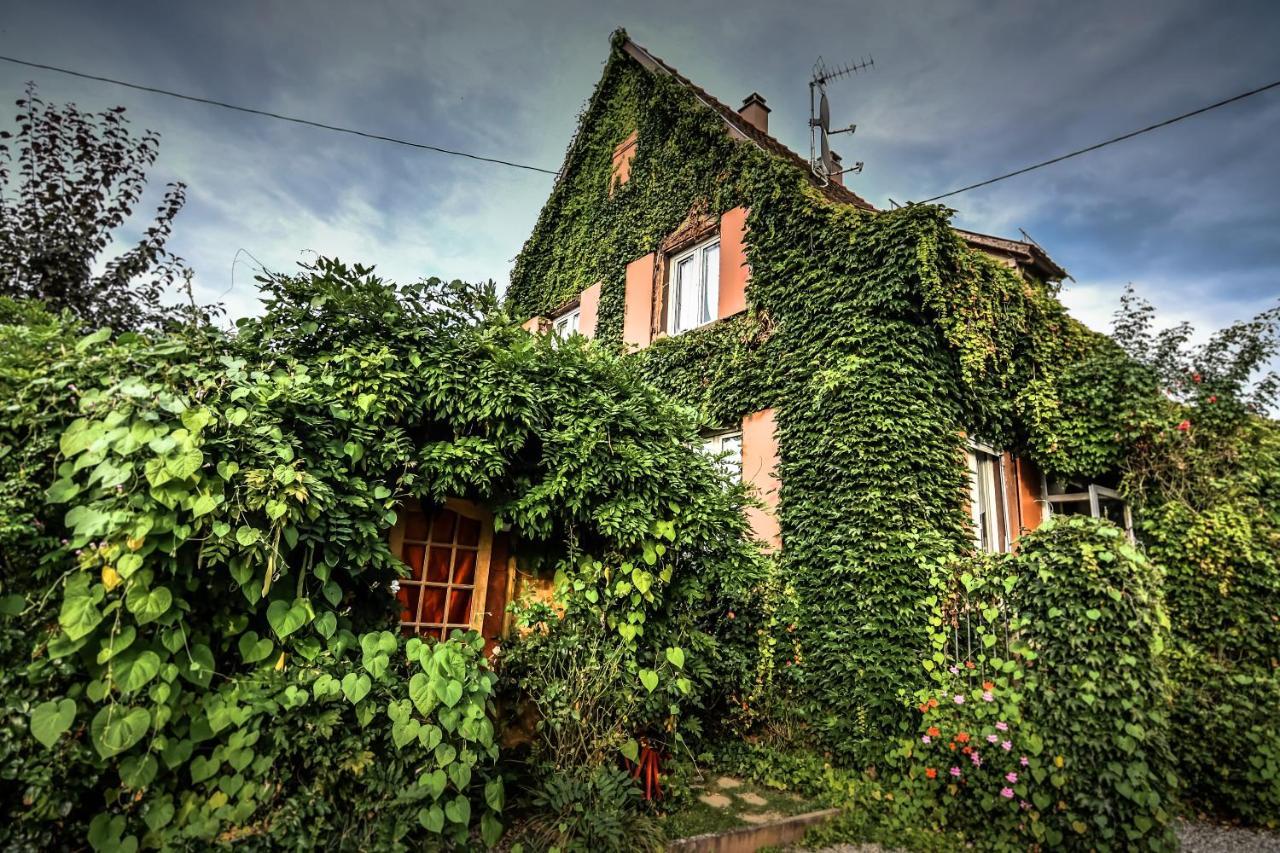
point(695, 287)
point(987, 499)
point(567, 323)
point(1080, 497)
point(726, 449)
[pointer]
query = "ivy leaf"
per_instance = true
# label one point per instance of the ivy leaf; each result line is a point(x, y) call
point(490, 829)
point(49, 720)
point(630, 751)
point(115, 728)
point(675, 655)
point(424, 698)
point(325, 624)
point(649, 679)
point(247, 536)
point(449, 690)
point(62, 491)
point(203, 505)
point(434, 782)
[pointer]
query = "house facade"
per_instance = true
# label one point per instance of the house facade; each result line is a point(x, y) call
point(698, 275)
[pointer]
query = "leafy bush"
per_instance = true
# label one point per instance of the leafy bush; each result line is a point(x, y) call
point(199, 650)
point(1098, 690)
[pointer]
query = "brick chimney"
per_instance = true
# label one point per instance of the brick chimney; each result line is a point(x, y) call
point(836, 177)
point(755, 111)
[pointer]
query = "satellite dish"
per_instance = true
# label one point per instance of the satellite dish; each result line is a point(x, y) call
point(824, 115)
point(825, 160)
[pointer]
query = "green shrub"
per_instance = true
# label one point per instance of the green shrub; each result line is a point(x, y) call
point(588, 810)
point(1098, 690)
point(198, 642)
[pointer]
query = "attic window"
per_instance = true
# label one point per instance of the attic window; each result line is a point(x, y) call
point(695, 287)
point(622, 157)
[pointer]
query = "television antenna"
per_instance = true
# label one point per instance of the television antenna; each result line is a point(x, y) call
point(821, 160)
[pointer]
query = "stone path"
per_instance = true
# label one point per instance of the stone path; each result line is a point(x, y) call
point(727, 797)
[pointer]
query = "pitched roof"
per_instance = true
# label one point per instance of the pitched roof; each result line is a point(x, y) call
point(832, 190)
point(1025, 254)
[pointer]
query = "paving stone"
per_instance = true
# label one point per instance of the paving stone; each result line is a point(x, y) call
point(752, 799)
point(760, 817)
point(729, 782)
point(716, 801)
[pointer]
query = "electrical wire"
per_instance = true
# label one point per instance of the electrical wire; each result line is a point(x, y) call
point(308, 122)
point(1111, 141)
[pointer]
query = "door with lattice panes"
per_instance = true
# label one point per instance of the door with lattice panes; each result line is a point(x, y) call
point(447, 550)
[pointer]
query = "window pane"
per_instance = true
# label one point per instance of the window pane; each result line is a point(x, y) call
point(732, 445)
point(468, 531)
point(464, 567)
point(415, 526)
point(442, 526)
point(408, 596)
point(710, 292)
point(685, 304)
point(432, 605)
point(460, 607)
point(438, 564)
point(413, 556)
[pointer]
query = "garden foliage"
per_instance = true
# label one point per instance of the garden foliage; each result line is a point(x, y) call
point(882, 340)
point(199, 634)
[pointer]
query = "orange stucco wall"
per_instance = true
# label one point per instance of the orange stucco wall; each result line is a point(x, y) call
point(760, 471)
point(622, 157)
point(637, 312)
point(733, 263)
point(589, 306)
point(534, 325)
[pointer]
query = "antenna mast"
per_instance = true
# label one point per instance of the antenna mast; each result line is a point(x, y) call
point(821, 160)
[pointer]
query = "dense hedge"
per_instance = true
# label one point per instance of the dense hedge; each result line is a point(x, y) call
point(198, 637)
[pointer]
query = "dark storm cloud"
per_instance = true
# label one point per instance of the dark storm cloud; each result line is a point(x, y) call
point(960, 91)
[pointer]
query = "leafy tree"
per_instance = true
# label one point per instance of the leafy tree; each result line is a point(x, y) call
point(68, 180)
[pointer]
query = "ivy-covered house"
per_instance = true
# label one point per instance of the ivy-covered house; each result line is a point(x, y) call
point(696, 275)
point(877, 377)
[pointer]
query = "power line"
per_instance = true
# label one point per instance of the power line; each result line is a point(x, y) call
point(294, 119)
point(1121, 138)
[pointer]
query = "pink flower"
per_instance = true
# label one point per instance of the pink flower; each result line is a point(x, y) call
point(1023, 761)
point(1007, 745)
point(926, 739)
point(992, 738)
point(1007, 793)
point(955, 670)
point(955, 771)
point(987, 697)
point(1011, 778)
point(1024, 805)
point(1002, 726)
point(959, 699)
point(976, 759)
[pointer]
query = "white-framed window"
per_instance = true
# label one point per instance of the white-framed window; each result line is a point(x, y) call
point(726, 449)
point(987, 502)
point(1076, 497)
point(567, 323)
point(695, 287)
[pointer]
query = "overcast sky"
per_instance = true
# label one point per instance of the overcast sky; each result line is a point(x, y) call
point(960, 91)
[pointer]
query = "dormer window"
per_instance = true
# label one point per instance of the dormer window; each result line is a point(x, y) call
point(567, 323)
point(695, 287)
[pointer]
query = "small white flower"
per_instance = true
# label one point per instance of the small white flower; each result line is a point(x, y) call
point(395, 587)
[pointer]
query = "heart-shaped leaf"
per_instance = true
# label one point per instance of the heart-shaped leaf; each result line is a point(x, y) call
point(133, 671)
point(203, 768)
point(286, 617)
point(649, 679)
point(434, 782)
point(449, 691)
point(494, 794)
point(445, 754)
point(460, 775)
point(149, 605)
point(115, 728)
point(355, 686)
point(675, 655)
point(458, 810)
point(253, 648)
point(432, 819)
point(49, 720)
point(325, 624)
point(424, 698)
